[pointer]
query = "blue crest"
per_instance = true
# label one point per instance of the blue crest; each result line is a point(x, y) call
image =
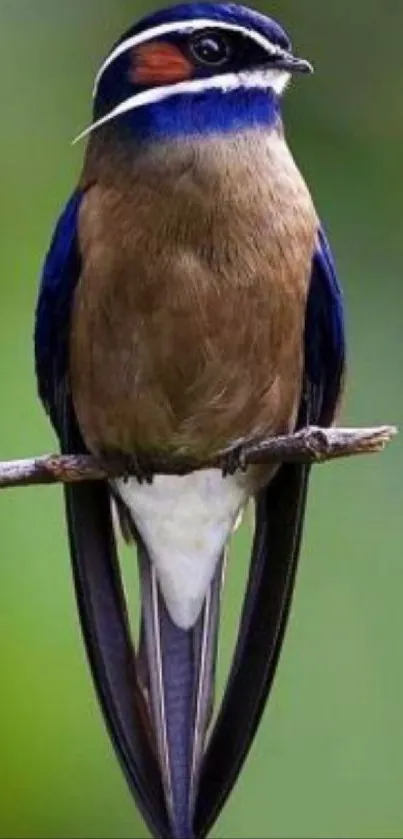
point(223, 12)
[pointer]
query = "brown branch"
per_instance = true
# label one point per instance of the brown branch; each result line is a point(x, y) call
point(311, 445)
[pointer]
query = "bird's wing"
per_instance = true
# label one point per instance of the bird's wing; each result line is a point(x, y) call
point(279, 521)
point(97, 580)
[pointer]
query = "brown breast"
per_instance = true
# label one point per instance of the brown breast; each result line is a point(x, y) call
point(187, 328)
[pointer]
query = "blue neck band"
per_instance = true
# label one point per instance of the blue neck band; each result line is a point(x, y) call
point(211, 112)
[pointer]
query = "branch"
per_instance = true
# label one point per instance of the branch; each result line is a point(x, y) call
point(310, 445)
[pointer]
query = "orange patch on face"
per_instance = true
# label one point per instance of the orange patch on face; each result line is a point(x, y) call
point(159, 63)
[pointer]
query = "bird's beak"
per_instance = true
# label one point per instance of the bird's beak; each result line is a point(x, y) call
point(291, 64)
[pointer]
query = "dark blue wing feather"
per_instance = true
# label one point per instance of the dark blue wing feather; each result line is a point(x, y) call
point(60, 275)
point(324, 333)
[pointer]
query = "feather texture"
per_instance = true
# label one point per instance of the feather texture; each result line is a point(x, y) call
point(189, 303)
point(185, 523)
point(196, 264)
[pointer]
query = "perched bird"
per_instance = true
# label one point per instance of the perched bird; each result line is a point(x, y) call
point(189, 306)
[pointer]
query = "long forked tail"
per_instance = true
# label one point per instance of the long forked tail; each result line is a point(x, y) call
point(180, 667)
point(179, 782)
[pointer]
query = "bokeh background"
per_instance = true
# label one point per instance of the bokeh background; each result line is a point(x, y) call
point(328, 760)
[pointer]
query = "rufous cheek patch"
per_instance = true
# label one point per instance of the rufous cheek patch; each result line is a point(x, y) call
point(159, 63)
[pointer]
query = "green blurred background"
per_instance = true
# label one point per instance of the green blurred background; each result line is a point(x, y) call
point(328, 760)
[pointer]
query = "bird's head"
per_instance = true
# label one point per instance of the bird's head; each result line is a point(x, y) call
point(195, 67)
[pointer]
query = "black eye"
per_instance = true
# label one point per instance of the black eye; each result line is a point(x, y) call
point(210, 48)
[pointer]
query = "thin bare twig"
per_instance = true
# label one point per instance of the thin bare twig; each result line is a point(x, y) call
point(310, 445)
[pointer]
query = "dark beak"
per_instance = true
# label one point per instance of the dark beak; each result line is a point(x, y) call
point(292, 64)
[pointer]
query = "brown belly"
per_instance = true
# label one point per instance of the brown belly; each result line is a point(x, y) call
point(188, 320)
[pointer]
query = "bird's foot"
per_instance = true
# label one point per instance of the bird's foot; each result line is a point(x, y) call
point(233, 460)
point(137, 467)
point(127, 466)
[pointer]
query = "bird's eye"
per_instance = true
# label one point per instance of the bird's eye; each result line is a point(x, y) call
point(210, 49)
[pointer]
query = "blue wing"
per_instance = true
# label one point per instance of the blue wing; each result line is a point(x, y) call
point(99, 591)
point(324, 333)
point(60, 275)
point(280, 512)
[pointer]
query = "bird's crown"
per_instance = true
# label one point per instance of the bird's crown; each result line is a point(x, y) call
point(188, 50)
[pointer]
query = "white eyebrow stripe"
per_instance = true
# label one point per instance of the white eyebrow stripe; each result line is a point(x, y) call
point(263, 79)
point(184, 26)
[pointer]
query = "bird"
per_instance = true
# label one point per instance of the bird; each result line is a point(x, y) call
point(188, 308)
